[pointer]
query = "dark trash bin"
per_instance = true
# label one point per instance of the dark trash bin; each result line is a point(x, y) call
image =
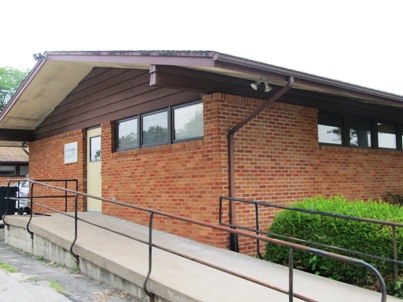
point(7, 204)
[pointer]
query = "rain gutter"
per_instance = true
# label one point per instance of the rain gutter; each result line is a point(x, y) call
point(231, 160)
point(301, 78)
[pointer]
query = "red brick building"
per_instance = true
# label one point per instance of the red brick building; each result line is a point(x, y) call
point(173, 131)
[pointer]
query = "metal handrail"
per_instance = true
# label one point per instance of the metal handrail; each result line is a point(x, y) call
point(65, 195)
point(256, 205)
point(291, 246)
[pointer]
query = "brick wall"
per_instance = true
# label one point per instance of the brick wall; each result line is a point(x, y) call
point(277, 159)
point(5, 179)
point(47, 162)
point(185, 179)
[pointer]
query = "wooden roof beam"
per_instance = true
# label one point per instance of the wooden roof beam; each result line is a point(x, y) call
point(16, 135)
point(203, 82)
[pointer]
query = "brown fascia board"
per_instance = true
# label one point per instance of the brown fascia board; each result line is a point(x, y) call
point(302, 79)
point(176, 58)
point(17, 135)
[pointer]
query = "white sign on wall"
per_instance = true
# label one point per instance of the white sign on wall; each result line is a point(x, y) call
point(71, 153)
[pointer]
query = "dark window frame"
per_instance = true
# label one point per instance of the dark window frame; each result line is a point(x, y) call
point(171, 128)
point(399, 137)
point(351, 122)
point(17, 169)
point(345, 132)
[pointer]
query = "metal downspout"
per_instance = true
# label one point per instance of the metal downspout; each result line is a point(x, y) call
point(23, 147)
point(231, 163)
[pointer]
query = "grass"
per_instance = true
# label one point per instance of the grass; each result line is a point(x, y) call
point(32, 279)
point(56, 286)
point(6, 267)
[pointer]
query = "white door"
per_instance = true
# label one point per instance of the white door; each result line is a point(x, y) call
point(94, 166)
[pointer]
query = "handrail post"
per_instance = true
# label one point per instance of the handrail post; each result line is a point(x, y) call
point(220, 211)
point(291, 275)
point(150, 257)
point(6, 198)
point(75, 231)
point(395, 268)
point(257, 231)
point(233, 238)
point(65, 196)
point(32, 209)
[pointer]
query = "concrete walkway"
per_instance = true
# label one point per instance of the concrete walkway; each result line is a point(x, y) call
point(173, 278)
point(36, 279)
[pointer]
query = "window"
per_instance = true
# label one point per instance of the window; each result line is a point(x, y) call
point(401, 138)
point(127, 137)
point(329, 129)
point(188, 122)
point(8, 170)
point(24, 170)
point(95, 148)
point(155, 129)
point(360, 133)
point(386, 136)
point(174, 124)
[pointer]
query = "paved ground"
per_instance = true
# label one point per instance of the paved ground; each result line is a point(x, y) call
point(173, 277)
point(39, 280)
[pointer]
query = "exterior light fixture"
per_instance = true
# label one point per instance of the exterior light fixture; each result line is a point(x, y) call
point(38, 56)
point(267, 87)
point(255, 86)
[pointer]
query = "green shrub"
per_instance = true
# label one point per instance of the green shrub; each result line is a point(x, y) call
point(349, 234)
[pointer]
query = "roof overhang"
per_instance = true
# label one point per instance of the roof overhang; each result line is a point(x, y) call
point(58, 73)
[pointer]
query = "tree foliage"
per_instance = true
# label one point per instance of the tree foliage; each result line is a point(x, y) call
point(155, 135)
point(128, 141)
point(10, 79)
point(193, 128)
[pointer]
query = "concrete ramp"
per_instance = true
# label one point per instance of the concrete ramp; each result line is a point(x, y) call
point(123, 263)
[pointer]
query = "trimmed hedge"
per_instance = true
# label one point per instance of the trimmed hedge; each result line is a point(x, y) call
point(353, 235)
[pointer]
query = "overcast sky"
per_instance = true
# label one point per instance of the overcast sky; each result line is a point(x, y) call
point(355, 41)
